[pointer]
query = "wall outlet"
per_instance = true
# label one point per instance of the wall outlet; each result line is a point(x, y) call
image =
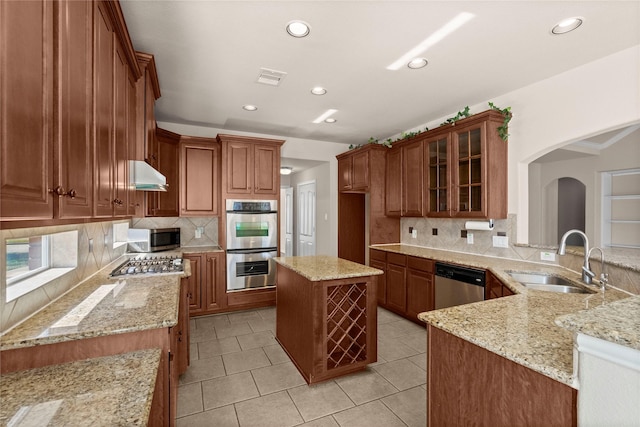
point(500, 242)
point(469, 238)
point(199, 232)
point(434, 231)
point(547, 256)
point(414, 233)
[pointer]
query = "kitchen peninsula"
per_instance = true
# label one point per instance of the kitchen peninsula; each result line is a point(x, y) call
point(326, 317)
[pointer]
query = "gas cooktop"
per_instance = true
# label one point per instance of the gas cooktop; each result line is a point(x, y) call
point(149, 264)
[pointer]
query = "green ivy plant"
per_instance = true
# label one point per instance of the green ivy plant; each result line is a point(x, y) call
point(503, 131)
point(461, 115)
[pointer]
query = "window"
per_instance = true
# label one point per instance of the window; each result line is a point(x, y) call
point(26, 257)
point(621, 208)
point(35, 261)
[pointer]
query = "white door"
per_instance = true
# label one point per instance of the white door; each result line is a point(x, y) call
point(307, 219)
point(287, 221)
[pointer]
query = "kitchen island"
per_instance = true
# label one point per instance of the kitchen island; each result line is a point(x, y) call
point(326, 315)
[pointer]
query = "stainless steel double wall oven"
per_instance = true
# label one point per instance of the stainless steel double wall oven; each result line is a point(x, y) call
point(252, 243)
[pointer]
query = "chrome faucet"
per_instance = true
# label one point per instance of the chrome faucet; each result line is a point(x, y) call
point(604, 277)
point(587, 274)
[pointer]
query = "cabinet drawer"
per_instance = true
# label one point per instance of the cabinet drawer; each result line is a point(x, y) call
point(397, 259)
point(421, 264)
point(378, 255)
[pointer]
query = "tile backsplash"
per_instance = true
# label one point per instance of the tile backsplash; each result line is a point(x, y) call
point(187, 228)
point(90, 259)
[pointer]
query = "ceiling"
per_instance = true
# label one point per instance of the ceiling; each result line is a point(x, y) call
point(209, 54)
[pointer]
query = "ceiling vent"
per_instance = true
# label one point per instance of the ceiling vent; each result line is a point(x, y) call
point(270, 77)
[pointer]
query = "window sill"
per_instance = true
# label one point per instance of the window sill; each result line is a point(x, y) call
point(25, 286)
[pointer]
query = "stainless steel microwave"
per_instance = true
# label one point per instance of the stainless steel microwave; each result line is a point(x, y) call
point(153, 240)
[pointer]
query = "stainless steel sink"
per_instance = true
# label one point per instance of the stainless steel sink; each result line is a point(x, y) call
point(549, 283)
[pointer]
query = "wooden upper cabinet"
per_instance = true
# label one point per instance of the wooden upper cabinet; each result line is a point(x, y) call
point(199, 177)
point(75, 97)
point(251, 166)
point(479, 172)
point(121, 141)
point(412, 179)
point(162, 203)
point(437, 152)
point(393, 193)
point(26, 73)
point(103, 119)
point(353, 170)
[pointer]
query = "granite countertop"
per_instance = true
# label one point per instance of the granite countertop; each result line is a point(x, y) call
point(618, 322)
point(522, 327)
point(109, 391)
point(101, 306)
point(318, 268)
point(200, 249)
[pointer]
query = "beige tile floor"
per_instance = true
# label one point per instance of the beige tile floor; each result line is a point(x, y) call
point(240, 376)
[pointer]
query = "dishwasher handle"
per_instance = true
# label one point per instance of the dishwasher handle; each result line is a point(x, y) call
point(461, 274)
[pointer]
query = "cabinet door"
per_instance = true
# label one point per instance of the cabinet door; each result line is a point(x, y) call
point(239, 165)
point(396, 287)
point(381, 289)
point(215, 289)
point(470, 173)
point(193, 283)
point(120, 142)
point(168, 161)
point(26, 85)
point(266, 170)
point(199, 184)
point(344, 173)
point(360, 171)
point(393, 193)
point(75, 76)
point(420, 292)
point(413, 179)
point(103, 119)
point(438, 170)
point(183, 330)
point(135, 149)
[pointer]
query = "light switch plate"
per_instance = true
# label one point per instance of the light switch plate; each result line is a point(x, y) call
point(414, 233)
point(500, 242)
point(469, 238)
point(199, 232)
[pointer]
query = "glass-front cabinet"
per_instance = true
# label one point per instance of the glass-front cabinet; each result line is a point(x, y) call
point(468, 145)
point(439, 176)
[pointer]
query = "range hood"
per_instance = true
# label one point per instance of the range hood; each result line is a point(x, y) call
point(145, 178)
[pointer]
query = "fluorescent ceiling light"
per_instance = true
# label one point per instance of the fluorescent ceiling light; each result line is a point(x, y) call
point(325, 115)
point(417, 63)
point(286, 170)
point(249, 107)
point(330, 120)
point(434, 38)
point(318, 90)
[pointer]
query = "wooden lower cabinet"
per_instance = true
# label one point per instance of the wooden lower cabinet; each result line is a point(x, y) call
point(494, 288)
point(207, 291)
point(468, 385)
point(408, 283)
point(378, 259)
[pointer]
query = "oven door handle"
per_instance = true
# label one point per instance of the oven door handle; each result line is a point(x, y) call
point(251, 251)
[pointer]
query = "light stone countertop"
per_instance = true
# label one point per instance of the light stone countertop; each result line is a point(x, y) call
point(105, 391)
point(521, 327)
point(101, 306)
point(618, 322)
point(318, 268)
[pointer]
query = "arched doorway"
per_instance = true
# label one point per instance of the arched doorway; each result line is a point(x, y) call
point(571, 208)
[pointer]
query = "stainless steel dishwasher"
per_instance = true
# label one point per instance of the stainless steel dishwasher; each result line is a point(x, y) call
point(456, 285)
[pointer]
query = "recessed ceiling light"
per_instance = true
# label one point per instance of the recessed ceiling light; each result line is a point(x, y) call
point(325, 116)
point(417, 63)
point(442, 32)
point(318, 90)
point(249, 107)
point(298, 29)
point(330, 120)
point(566, 25)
